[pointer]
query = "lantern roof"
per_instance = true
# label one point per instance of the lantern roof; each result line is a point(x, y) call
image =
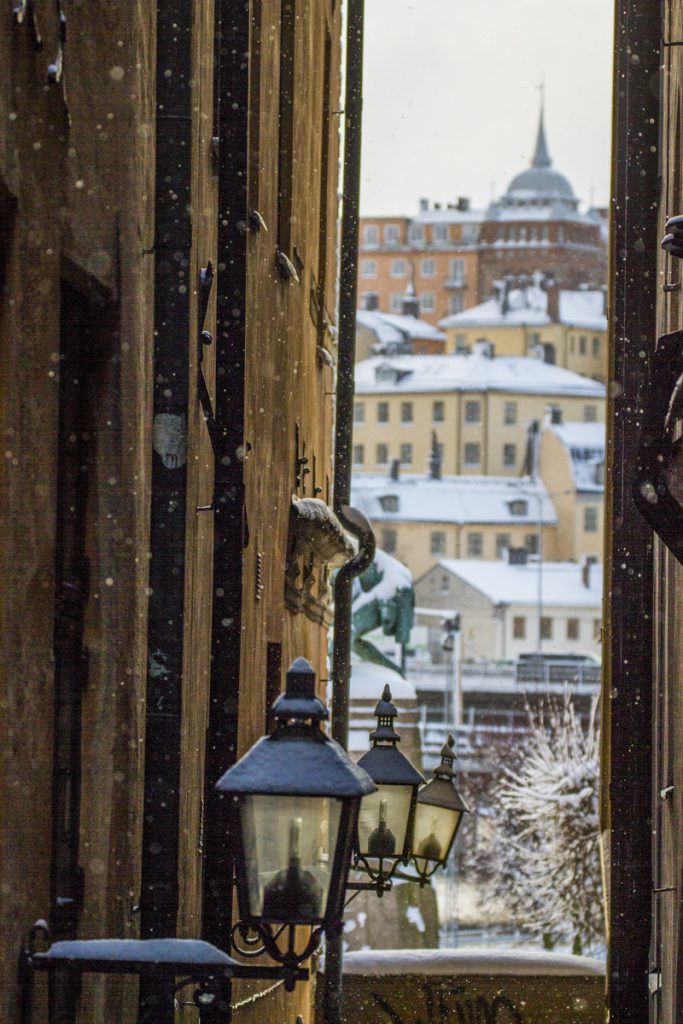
point(387, 766)
point(296, 761)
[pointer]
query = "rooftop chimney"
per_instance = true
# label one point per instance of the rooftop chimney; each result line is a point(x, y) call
point(586, 570)
point(463, 203)
point(553, 308)
point(435, 458)
point(395, 469)
point(518, 556)
point(424, 205)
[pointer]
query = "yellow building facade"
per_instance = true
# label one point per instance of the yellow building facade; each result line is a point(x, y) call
point(571, 464)
point(479, 410)
point(565, 328)
point(420, 520)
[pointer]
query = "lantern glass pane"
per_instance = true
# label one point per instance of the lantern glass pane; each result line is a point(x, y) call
point(289, 847)
point(383, 821)
point(433, 832)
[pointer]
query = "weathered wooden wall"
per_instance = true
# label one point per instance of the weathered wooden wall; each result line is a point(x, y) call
point(667, 791)
point(76, 172)
point(77, 206)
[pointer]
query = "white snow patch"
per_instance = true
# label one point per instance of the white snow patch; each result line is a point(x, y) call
point(471, 961)
point(415, 917)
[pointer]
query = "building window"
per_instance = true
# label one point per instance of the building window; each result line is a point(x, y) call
point(519, 627)
point(596, 347)
point(572, 629)
point(475, 545)
point(428, 268)
point(458, 271)
point(389, 502)
point(590, 414)
point(534, 339)
point(389, 541)
point(416, 234)
point(441, 233)
point(438, 412)
point(583, 345)
point(382, 451)
point(358, 454)
point(456, 303)
point(396, 302)
point(391, 234)
point(382, 412)
point(509, 455)
point(359, 412)
point(590, 519)
point(469, 234)
point(597, 629)
point(531, 543)
point(407, 453)
point(510, 414)
point(369, 300)
point(445, 585)
point(368, 268)
point(427, 302)
point(398, 268)
point(502, 544)
point(472, 454)
point(461, 346)
point(406, 412)
point(371, 234)
point(546, 628)
point(518, 508)
point(472, 412)
point(437, 542)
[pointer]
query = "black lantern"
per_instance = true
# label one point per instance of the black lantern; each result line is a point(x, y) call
point(298, 794)
point(385, 821)
point(438, 814)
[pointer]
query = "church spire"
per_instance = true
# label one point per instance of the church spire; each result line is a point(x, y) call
point(541, 157)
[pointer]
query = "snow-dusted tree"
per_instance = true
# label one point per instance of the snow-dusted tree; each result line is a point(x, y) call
point(547, 834)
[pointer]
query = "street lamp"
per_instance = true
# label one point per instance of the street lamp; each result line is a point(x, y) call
point(298, 795)
point(385, 822)
point(439, 811)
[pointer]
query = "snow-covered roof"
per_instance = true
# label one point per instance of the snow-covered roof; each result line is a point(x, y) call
point(448, 215)
point(470, 961)
point(585, 443)
point(475, 372)
point(395, 577)
point(529, 306)
point(453, 499)
point(394, 327)
point(561, 582)
point(368, 681)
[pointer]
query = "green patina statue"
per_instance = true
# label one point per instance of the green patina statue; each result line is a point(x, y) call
point(383, 596)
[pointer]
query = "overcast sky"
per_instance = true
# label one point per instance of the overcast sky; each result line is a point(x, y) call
point(451, 97)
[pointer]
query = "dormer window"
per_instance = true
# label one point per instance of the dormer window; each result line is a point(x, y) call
point(389, 502)
point(518, 507)
point(391, 374)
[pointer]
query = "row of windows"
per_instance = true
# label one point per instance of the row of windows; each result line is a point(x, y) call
point(397, 268)
point(472, 412)
point(550, 626)
point(471, 455)
point(512, 233)
point(468, 234)
point(583, 345)
point(474, 543)
point(426, 302)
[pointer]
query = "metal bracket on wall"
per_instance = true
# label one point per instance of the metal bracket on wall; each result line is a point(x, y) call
point(204, 339)
point(20, 9)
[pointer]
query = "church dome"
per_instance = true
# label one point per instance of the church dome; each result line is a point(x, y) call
point(539, 184)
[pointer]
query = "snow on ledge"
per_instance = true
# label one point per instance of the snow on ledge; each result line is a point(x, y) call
point(470, 961)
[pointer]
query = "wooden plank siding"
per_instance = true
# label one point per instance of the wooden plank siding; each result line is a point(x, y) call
point(77, 207)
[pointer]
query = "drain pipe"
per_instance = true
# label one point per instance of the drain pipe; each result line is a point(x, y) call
point(351, 519)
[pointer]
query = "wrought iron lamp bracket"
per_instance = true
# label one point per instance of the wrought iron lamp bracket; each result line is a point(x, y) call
point(253, 940)
point(380, 878)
